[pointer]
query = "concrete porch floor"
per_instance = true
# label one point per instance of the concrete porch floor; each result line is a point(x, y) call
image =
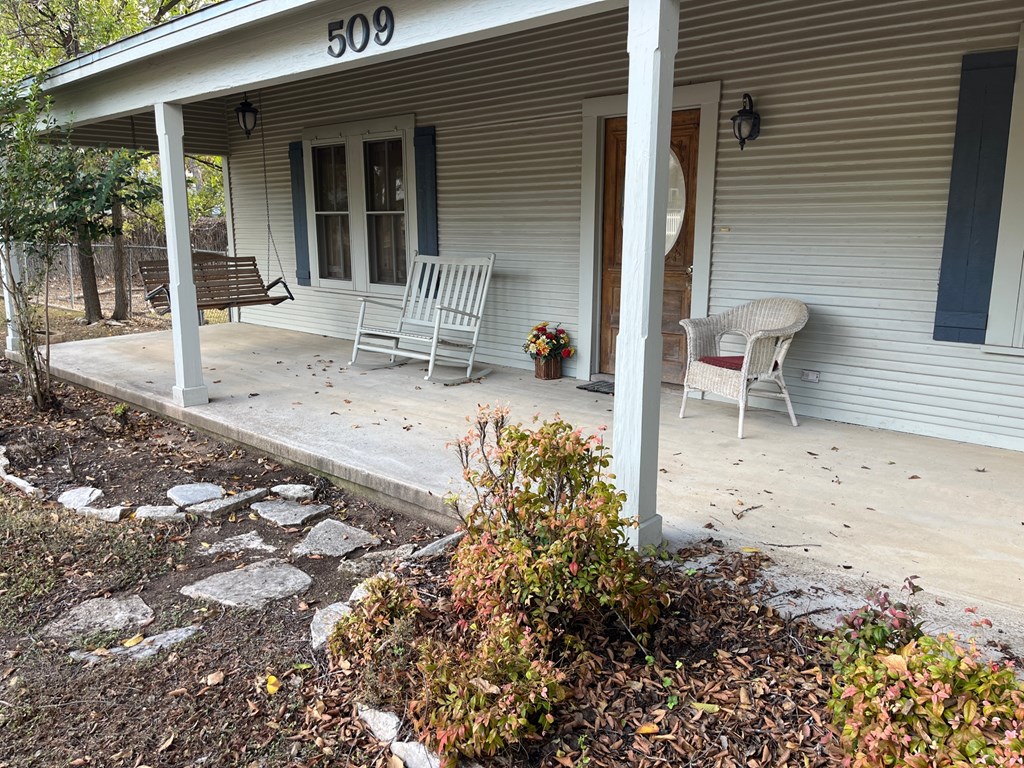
point(824, 498)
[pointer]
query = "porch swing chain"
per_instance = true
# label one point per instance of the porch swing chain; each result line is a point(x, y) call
point(271, 243)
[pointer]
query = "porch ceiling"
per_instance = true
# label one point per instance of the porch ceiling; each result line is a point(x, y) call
point(829, 497)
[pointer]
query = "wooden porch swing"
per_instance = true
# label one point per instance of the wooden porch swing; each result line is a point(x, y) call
point(222, 282)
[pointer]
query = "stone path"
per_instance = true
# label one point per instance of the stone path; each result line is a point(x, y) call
point(254, 585)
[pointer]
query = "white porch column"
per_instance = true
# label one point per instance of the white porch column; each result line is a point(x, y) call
point(13, 343)
point(652, 44)
point(189, 388)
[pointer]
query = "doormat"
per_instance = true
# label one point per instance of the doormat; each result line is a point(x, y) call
point(604, 387)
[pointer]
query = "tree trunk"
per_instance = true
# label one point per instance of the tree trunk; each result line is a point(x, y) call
point(121, 264)
point(87, 274)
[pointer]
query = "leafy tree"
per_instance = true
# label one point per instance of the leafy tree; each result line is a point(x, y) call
point(29, 172)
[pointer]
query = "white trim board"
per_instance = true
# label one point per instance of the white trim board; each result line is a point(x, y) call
point(1006, 307)
point(261, 51)
point(703, 96)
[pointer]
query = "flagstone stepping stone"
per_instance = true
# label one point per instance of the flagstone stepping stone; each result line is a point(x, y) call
point(335, 539)
point(414, 754)
point(383, 725)
point(148, 648)
point(194, 493)
point(77, 498)
point(107, 515)
point(252, 586)
point(217, 508)
point(166, 512)
point(384, 555)
point(251, 540)
point(101, 615)
point(294, 492)
point(324, 621)
point(290, 513)
point(438, 547)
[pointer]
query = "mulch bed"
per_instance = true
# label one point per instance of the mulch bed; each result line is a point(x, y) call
point(731, 683)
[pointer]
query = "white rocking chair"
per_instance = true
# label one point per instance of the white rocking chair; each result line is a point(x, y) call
point(768, 325)
point(439, 315)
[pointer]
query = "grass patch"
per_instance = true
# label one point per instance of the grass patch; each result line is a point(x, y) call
point(52, 556)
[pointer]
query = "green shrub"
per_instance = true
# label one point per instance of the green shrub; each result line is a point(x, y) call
point(544, 560)
point(545, 541)
point(379, 638)
point(928, 703)
point(482, 697)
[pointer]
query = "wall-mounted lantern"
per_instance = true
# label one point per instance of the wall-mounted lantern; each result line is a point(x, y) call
point(746, 124)
point(247, 115)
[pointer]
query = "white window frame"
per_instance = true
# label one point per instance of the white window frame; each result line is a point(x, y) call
point(1005, 333)
point(353, 135)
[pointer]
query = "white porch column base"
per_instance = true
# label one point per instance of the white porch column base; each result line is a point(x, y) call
point(12, 344)
point(652, 44)
point(190, 396)
point(189, 388)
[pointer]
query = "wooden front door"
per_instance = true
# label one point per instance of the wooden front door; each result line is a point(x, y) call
point(682, 196)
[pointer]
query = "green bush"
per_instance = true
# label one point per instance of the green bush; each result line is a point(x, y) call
point(545, 541)
point(379, 638)
point(543, 562)
point(479, 698)
point(928, 703)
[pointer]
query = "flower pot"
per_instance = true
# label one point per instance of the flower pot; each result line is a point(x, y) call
point(547, 367)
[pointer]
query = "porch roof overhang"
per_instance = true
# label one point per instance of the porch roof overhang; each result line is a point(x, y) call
point(248, 44)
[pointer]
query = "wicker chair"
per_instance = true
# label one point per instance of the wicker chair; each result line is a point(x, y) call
point(768, 325)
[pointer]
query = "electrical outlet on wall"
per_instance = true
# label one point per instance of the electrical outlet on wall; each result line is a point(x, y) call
point(812, 376)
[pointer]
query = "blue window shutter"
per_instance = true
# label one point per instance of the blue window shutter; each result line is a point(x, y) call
point(424, 142)
point(975, 196)
point(299, 212)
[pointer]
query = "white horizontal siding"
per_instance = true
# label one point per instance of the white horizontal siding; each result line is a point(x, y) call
point(840, 202)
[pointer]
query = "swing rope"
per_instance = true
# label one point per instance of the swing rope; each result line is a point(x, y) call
point(271, 243)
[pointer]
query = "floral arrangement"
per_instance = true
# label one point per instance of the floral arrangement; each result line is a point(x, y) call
point(546, 341)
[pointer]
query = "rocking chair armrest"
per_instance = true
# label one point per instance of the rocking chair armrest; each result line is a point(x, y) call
point(157, 291)
point(382, 302)
point(454, 311)
point(281, 281)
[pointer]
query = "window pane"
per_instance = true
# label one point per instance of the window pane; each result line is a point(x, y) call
point(332, 245)
point(385, 182)
point(330, 178)
point(387, 248)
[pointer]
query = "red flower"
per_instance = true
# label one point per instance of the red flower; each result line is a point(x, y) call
point(550, 335)
point(566, 352)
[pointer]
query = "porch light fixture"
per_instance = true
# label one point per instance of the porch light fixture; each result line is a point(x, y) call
point(246, 114)
point(746, 124)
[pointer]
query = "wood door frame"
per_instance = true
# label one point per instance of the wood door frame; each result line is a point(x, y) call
point(703, 96)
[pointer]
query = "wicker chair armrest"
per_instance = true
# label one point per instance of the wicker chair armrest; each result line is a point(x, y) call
point(703, 336)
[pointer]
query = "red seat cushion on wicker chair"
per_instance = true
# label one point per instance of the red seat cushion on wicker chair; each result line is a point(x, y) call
point(732, 362)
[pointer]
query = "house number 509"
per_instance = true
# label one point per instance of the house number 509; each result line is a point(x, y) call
point(357, 32)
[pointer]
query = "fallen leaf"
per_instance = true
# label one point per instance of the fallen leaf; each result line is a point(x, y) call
point(166, 745)
point(750, 550)
point(132, 641)
point(215, 678)
point(702, 707)
point(395, 762)
point(273, 685)
point(177, 692)
point(914, 477)
point(648, 728)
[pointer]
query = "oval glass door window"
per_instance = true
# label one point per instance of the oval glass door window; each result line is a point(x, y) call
point(676, 202)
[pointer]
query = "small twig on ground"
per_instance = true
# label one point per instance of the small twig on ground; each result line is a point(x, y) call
point(787, 546)
point(739, 515)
